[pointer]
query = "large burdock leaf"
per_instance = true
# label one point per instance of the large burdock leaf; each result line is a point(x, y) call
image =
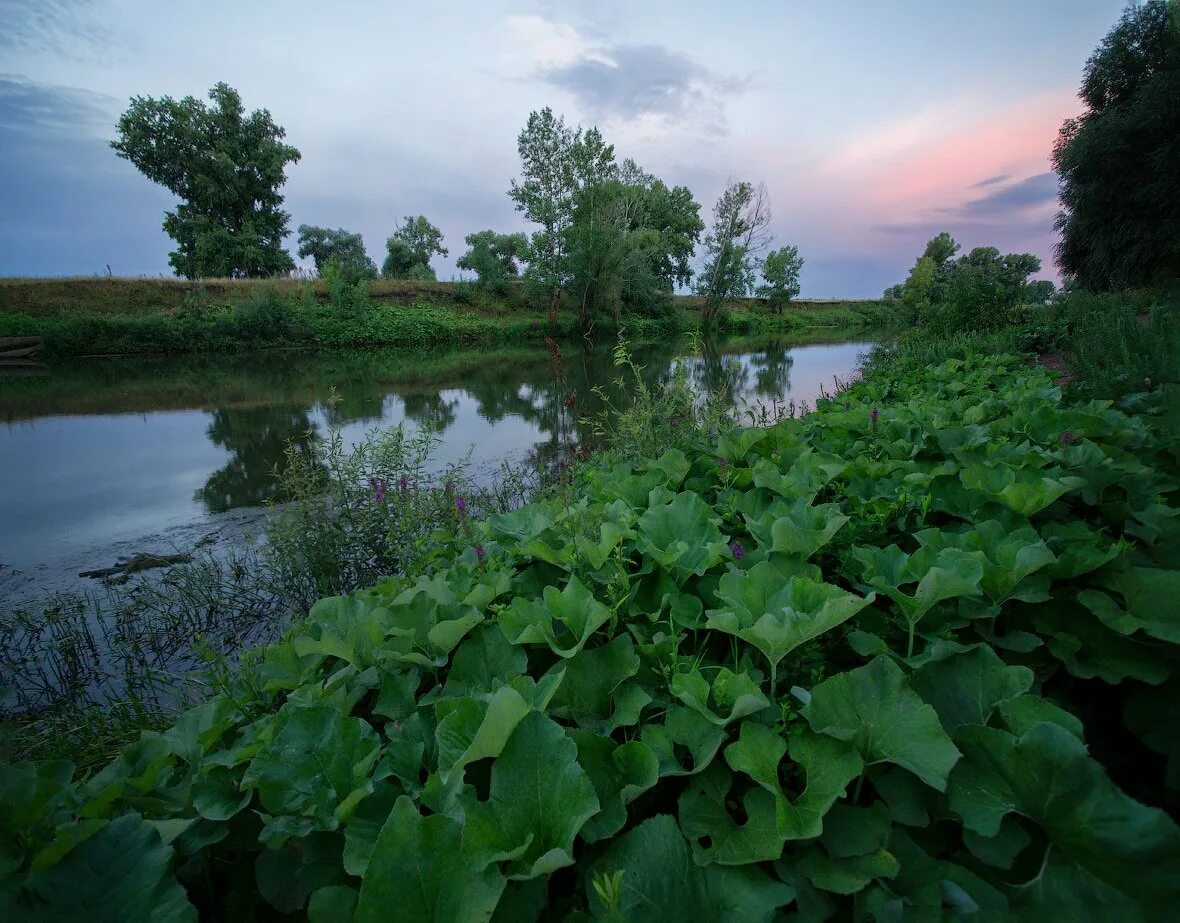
point(590, 692)
point(620, 774)
point(807, 474)
point(729, 697)
point(1047, 776)
point(317, 762)
point(776, 616)
point(1011, 557)
point(688, 730)
point(874, 709)
point(966, 688)
point(828, 765)
point(1023, 490)
point(716, 835)
point(539, 799)
point(658, 882)
point(123, 872)
point(471, 729)
point(940, 575)
point(420, 872)
point(798, 529)
point(1150, 597)
point(682, 536)
point(563, 619)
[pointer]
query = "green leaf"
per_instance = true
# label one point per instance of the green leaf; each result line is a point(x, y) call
point(564, 620)
point(847, 875)
point(286, 877)
point(716, 835)
point(1047, 776)
point(620, 773)
point(365, 825)
point(873, 708)
point(1023, 490)
point(733, 695)
point(540, 798)
point(471, 729)
point(332, 904)
point(592, 678)
point(828, 764)
point(1010, 557)
point(855, 831)
point(122, 872)
point(316, 759)
point(688, 730)
point(682, 536)
point(798, 529)
point(967, 688)
point(421, 872)
point(776, 616)
point(1150, 596)
point(661, 884)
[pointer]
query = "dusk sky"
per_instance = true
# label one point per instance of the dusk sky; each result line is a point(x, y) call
point(874, 125)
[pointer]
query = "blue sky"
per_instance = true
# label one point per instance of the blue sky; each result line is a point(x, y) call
point(873, 125)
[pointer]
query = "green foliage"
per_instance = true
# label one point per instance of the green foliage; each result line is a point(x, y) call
point(339, 248)
point(912, 663)
point(226, 168)
point(1119, 161)
point(494, 258)
point(409, 251)
point(741, 221)
point(780, 274)
point(612, 236)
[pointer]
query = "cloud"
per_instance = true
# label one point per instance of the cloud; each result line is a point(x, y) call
point(992, 180)
point(33, 108)
point(65, 27)
point(1021, 196)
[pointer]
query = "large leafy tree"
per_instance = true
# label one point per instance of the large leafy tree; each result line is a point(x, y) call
point(741, 229)
point(611, 235)
point(409, 250)
point(494, 258)
point(336, 247)
point(226, 167)
point(1119, 161)
point(780, 274)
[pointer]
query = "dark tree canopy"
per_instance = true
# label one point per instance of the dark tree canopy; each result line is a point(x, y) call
point(1119, 162)
point(226, 168)
point(336, 247)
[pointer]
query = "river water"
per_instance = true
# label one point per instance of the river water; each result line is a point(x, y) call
point(103, 458)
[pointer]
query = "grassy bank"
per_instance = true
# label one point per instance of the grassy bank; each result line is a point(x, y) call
point(892, 659)
point(78, 317)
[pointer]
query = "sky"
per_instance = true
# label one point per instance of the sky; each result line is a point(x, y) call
point(874, 125)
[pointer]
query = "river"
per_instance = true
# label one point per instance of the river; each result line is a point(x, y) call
point(107, 458)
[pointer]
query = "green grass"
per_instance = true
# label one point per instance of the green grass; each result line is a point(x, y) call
point(124, 317)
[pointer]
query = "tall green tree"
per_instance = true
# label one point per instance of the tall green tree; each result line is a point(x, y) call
point(409, 251)
point(336, 247)
point(741, 229)
point(226, 168)
point(780, 274)
point(1119, 161)
point(494, 258)
point(557, 162)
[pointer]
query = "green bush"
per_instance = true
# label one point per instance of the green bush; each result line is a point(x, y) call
point(911, 656)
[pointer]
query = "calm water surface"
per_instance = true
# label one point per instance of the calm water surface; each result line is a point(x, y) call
point(101, 455)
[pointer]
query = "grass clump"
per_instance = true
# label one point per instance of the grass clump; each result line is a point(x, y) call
point(892, 658)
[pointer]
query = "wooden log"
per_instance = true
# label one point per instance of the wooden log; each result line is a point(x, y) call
point(25, 352)
point(19, 342)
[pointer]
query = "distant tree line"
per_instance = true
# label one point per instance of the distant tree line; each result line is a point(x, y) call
point(610, 237)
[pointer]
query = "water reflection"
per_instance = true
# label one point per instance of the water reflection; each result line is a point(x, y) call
point(108, 451)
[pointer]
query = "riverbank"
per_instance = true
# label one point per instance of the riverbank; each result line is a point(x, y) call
point(85, 317)
point(945, 581)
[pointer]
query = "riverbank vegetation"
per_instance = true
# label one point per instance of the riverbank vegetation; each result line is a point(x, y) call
point(123, 317)
point(822, 664)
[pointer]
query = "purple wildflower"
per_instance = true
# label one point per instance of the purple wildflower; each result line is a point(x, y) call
point(480, 553)
point(874, 416)
point(724, 464)
point(379, 488)
point(1066, 438)
point(739, 550)
point(461, 504)
point(403, 483)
